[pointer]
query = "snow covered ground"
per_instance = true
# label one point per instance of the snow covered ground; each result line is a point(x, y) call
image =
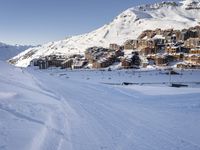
point(74, 110)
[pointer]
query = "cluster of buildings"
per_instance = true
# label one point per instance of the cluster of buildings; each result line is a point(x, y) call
point(153, 47)
point(73, 62)
point(166, 47)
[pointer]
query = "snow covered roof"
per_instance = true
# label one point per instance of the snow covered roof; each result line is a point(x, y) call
point(158, 37)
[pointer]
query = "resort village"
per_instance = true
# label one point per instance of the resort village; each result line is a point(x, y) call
point(155, 48)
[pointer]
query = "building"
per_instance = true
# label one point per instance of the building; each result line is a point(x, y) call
point(195, 51)
point(193, 59)
point(131, 61)
point(79, 63)
point(146, 51)
point(34, 62)
point(43, 63)
point(131, 44)
point(192, 42)
point(67, 63)
point(114, 46)
point(160, 60)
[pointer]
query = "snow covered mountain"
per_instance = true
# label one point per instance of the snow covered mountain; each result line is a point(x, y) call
point(128, 25)
point(9, 51)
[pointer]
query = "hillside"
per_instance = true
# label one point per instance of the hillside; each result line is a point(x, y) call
point(127, 25)
point(9, 51)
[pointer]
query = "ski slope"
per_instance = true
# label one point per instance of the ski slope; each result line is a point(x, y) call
point(46, 110)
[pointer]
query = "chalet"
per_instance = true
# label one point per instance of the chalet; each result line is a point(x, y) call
point(94, 53)
point(183, 65)
point(79, 63)
point(170, 49)
point(131, 44)
point(178, 56)
point(151, 43)
point(195, 51)
point(67, 63)
point(34, 62)
point(193, 59)
point(146, 51)
point(126, 63)
point(55, 60)
point(148, 34)
point(192, 42)
point(160, 60)
point(176, 36)
point(42, 63)
point(131, 61)
point(102, 63)
point(114, 47)
point(119, 53)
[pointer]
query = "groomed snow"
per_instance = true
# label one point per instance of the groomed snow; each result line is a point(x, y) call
point(48, 110)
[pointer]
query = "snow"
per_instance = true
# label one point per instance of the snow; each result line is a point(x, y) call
point(9, 51)
point(158, 37)
point(59, 109)
point(127, 25)
point(188, 2)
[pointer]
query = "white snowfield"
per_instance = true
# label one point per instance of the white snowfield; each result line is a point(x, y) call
point(57, 110)
point(128, 25)
point(9, 51)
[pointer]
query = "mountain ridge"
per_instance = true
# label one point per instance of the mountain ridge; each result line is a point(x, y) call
point(8, 51)
point(127, 25)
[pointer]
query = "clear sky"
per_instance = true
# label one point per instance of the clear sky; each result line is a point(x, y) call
point(41, 21)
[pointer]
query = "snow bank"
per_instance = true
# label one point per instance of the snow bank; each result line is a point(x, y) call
point(46, 110)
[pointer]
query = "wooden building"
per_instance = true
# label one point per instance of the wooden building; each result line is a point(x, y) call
point(114, 46)
point(67, 63)
point(43, 63)
point(192, 42)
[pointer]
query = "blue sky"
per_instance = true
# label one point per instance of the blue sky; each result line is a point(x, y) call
point(41, 21)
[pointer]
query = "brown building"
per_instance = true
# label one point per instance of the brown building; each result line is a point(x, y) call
point(102, 63)
point(170, 49)
point(67, 63)
point(126, 63)
point(146, 51)
point(192, 42)
point(114, 46)
point(195, 51)
point(160, 60)
point(131, 44)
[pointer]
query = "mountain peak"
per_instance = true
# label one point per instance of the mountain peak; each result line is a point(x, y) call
point(155, 6)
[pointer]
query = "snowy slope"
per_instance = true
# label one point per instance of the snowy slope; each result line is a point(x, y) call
point(82, 115)
point(128, 25)
point(9, 51)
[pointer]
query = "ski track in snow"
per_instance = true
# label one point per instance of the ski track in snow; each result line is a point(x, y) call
point(57, 113)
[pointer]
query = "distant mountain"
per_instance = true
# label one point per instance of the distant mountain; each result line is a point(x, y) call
point(9, 51)
point(128, 25)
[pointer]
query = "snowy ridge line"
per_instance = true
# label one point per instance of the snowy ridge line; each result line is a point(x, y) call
point(127, 25)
